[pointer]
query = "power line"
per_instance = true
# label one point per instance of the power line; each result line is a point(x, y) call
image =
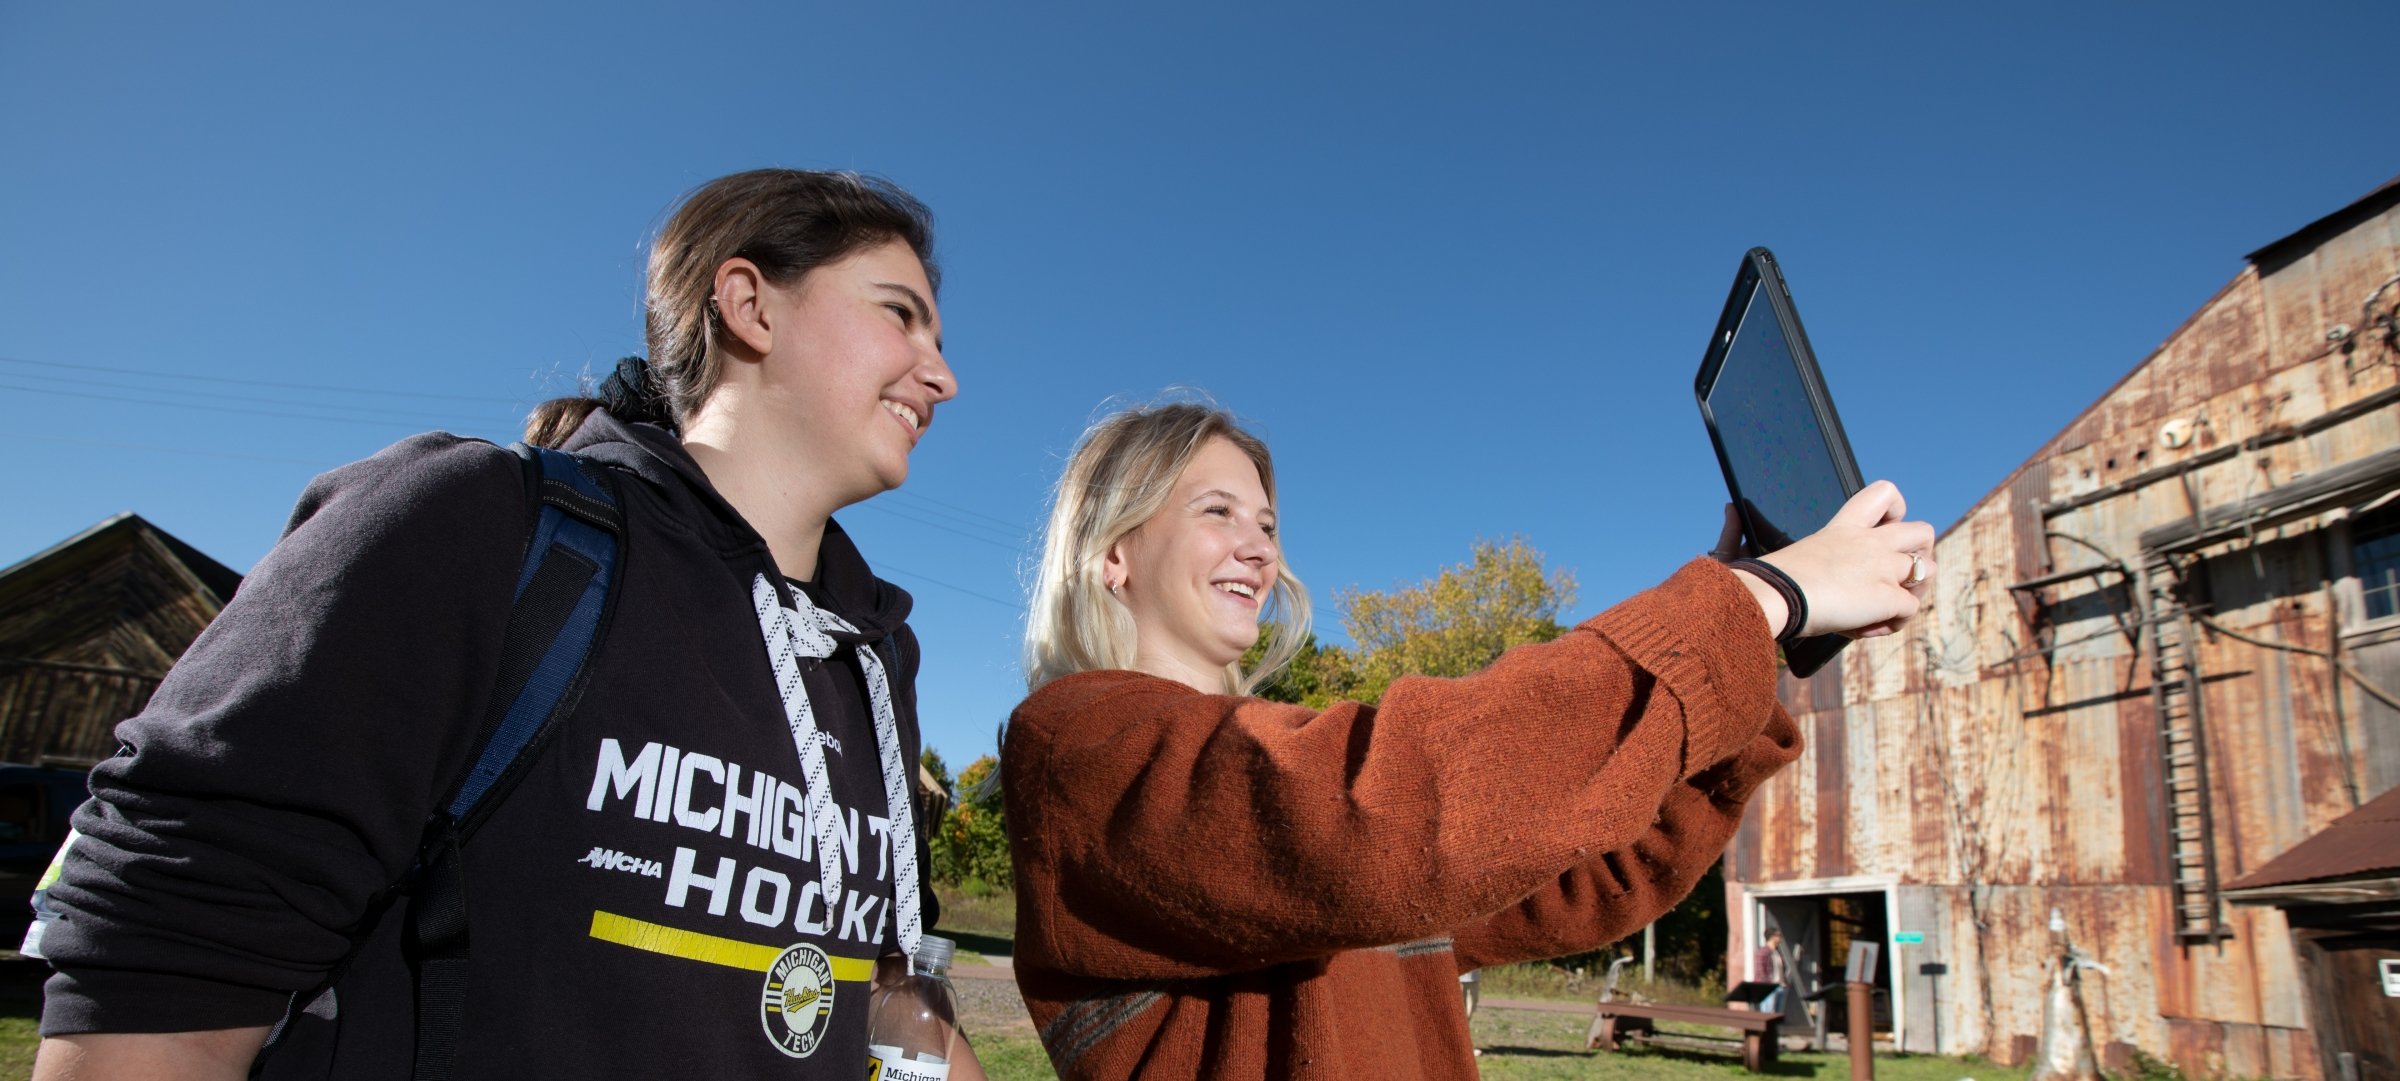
point(419, 418)
point(152, 373)
point(111, 444)
point(419, 426)
point(886, 567)
point(1015, 528)
point(946, 529)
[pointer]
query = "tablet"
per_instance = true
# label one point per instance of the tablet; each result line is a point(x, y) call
point(1787, 464)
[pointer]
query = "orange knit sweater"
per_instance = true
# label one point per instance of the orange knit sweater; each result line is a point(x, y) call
point(1219, 887)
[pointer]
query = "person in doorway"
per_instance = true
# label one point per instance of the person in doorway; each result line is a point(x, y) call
point(701, 866)
point(1212, 885)
point(1766, 966)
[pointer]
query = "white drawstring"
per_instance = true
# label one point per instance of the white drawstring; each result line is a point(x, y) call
point(806, 631)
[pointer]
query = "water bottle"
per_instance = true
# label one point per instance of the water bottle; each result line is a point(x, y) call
point(914, 1019)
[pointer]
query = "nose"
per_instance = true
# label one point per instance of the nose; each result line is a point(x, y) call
point(1257, 548)
point(934, 371)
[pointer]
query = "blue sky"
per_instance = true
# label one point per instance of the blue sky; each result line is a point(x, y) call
point(1456, 265)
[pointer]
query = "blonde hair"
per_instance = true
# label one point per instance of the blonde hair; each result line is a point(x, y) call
point(1122, 473)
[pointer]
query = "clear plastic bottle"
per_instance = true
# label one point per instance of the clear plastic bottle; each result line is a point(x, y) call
point(916, 1018)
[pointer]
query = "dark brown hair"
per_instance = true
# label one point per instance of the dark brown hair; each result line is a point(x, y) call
point(789, 222)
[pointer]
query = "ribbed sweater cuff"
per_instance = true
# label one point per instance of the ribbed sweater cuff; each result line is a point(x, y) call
point(1701, 634)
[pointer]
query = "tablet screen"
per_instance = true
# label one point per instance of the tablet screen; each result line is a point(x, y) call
point(1779, 456)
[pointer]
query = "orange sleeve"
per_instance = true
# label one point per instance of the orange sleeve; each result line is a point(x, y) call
point(1606, 899)
point(1163, 833)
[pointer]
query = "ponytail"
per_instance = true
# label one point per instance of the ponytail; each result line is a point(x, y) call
point(626, 394)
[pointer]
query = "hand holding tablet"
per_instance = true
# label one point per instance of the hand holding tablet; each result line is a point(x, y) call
point(1844, 545)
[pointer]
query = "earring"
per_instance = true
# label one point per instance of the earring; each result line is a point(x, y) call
point(1112, 588)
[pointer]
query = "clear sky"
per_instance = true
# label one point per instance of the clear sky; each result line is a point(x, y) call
point(1456, 262)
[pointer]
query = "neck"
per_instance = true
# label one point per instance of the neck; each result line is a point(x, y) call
point(776, 499)
point(1189, 673)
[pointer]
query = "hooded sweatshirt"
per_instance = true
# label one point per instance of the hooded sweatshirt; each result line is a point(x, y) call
point(646, 902)
point(1218, 887)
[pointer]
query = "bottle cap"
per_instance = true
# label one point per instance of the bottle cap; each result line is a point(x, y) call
point(934, 952)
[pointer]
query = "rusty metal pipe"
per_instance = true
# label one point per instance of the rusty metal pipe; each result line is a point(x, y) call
point(1862, 1031)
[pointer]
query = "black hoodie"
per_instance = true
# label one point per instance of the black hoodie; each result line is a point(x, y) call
point(641, 904)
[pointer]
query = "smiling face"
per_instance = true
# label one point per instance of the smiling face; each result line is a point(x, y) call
point(1194, 576)
point(856, 367)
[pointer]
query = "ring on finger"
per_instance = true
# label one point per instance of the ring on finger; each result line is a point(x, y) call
point(1916, 571)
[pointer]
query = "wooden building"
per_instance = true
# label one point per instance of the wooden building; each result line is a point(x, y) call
point(89, 627)
point(2159, 654)
point(2340, 893)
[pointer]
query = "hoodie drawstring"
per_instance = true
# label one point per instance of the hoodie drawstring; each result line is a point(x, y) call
point(807, 631)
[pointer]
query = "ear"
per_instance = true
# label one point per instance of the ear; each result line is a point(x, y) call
point(1113, 567)
point(741, 296)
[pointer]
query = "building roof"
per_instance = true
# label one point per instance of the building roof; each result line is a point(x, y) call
point(2309, 236)
point(2364, 842)
point(118, 529)
point(88, 627)
point(2274, 255)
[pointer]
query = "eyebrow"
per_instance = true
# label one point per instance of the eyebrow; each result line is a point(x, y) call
point(1268, 510)
point(915, 300)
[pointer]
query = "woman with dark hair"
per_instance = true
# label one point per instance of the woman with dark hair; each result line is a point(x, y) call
point(702, 864)
point(1211, 885)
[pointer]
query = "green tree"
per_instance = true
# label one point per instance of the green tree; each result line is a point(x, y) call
point(1451, 624)
point(970, 848)
point(1318, 676)
point(1457, 621)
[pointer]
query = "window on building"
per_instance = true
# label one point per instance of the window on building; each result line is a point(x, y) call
point(2375, 555)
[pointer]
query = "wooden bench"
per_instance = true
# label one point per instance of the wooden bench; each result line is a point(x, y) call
point(1615, 1022)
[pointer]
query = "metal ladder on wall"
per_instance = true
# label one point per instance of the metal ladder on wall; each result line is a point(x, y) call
point(2183, 754)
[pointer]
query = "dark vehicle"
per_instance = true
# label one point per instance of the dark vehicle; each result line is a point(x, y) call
point(35, 803)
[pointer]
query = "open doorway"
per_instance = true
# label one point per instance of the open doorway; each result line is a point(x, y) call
point(1818, 930)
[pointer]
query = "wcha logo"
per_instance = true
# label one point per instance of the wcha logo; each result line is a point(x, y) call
point(797, 1005)
point(607, 859)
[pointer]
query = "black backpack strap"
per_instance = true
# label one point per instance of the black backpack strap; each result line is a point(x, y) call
point(560, 613)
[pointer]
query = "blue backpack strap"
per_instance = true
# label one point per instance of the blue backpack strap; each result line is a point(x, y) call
point(558, 617)
point(555, 620)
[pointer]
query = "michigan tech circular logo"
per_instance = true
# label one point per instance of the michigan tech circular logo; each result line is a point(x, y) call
point(797, 1005)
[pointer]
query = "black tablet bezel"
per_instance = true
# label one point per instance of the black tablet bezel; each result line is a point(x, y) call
point(1760, 274)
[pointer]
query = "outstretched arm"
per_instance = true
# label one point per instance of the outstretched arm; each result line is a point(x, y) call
point(1164, 833)
point(1604, 900)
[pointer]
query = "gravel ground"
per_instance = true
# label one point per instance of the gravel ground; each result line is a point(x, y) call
point(991, 1006)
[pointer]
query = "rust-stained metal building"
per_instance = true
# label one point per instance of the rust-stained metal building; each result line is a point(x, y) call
point(2159, 654)
point(89, 627)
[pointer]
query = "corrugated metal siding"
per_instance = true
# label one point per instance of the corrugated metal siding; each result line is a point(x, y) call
point(2143, 822)
point(1829, 737)
point(2375, 727)
point(2004, 753)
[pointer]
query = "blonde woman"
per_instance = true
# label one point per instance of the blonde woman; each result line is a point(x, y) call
point(1211, 885)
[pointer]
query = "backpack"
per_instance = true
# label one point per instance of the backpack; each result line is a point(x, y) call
point(561, 610)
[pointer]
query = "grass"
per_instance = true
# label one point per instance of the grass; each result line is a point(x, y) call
point(982, 922)
point(1542, 980)
point(18, 1036)
point(1519, 1045)
point(1013, 1058)
point(1529, 1045)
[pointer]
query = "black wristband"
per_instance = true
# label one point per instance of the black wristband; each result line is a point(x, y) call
point(1795, 603)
